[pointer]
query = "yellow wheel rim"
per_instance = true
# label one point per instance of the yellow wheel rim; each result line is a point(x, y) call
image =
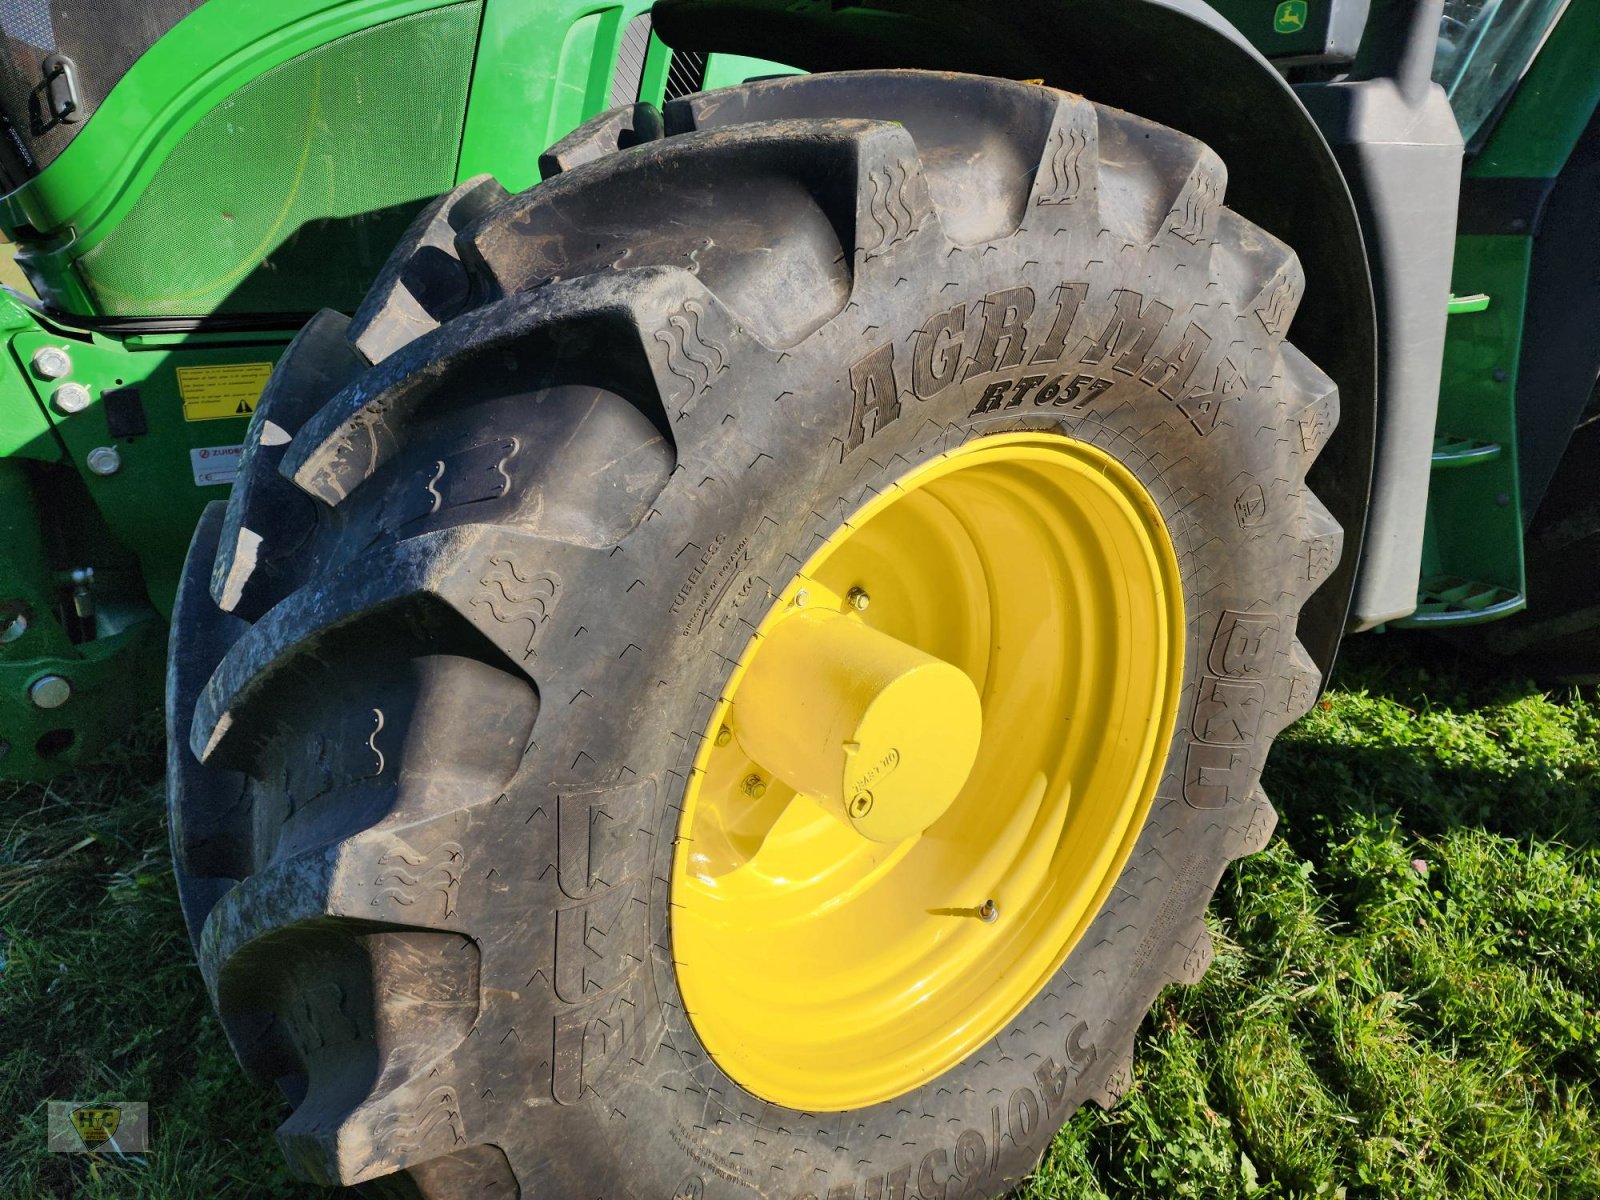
point(926, 772)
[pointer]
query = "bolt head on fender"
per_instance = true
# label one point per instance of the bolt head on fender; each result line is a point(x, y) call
point(104, 460)
point(49, 691)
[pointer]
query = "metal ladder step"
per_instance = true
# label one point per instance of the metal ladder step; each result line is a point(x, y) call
point(1450, 451)
point(1452, 600)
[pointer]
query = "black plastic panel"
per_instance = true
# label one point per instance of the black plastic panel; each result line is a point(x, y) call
point(1560, 364)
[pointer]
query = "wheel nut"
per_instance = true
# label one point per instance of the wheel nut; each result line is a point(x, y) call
point(51, 362)
point(14, 628)
point(755, 787)
point(70, 398)
point(724, 736)
point(104, 460)
point(988, 911)
point(49, 691)
point(801, 597)
point(861, 805)
point(859, 599)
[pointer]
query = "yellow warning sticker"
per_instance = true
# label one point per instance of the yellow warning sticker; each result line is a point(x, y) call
point(211, 393)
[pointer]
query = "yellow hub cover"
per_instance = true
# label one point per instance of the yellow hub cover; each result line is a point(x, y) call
point(926, 771)
point(866, 725)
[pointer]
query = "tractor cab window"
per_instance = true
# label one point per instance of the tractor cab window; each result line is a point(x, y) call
point(1485, 46)
point(58, 60)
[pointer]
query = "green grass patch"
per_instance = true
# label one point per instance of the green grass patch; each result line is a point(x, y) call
point(1405, 999)
point(1406, 995)
point(100, 998)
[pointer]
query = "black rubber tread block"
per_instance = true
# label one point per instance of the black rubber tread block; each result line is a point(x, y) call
point(585, 330)
point(1260, 819)
point(356, 1018)
point(1302, 680)
point(1314, 403)
point(1254, 255)
point(209, 817)
point(274, 652)
point(581, 1073)
point(1117, 1079)
point(980, 150)
point(620, 128)
point(1321, 543)
point(578, 464)
point(1003, 149)
point(424, 282)
point(809, 179)
point(480, 1171)
point(1067, 175)
point(268, 519)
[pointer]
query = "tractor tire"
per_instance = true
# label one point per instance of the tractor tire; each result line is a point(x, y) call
point(446, 672)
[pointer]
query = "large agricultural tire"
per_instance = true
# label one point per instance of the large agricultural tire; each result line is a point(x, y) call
point(450, 667)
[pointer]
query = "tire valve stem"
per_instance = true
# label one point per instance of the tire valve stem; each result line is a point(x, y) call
point(988, 912)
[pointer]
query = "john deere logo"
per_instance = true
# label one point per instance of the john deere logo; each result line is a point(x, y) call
point(96, 1125)
point(1290, 17)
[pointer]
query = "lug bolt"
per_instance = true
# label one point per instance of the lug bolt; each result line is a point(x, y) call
point(724, 736)
point(858, 599)
point(70, 398)
point(49, 691)
point(13, 629)
point(801, 597)
point(988, 911)
point(104, 460)
point(861, 805)
point(755, 787)
point(51, 362)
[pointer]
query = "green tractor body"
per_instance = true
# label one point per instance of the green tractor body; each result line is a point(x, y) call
point(180, 226)
point(204, 187)
point(191, 188)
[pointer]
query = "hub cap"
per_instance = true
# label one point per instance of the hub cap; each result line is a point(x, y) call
point(926, 771)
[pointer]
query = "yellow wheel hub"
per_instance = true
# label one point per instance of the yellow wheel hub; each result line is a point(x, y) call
point(867, 726)
point(926, 771)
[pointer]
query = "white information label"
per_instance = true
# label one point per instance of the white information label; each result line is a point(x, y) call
point(215, 464)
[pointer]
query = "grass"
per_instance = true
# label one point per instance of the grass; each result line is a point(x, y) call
point(1406, 995)
point(1405, 999)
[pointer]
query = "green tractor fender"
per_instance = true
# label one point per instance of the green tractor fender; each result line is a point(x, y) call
point(1179, 62)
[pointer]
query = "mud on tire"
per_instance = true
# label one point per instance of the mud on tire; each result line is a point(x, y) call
point(441, 667)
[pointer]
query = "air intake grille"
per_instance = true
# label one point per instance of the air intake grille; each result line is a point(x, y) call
point(686, 73)
point(630, 61)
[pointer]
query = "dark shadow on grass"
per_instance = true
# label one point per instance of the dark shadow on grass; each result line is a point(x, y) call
point(1420, 670)
point(100, 998)
point(1312, 779)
